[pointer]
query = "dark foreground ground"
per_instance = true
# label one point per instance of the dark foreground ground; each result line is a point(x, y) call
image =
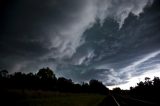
point(46, 98)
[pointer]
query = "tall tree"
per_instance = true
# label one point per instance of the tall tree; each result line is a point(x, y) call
point(46, 73)
point(3, 73)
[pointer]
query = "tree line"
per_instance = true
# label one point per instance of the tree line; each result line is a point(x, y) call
point(148, 89)
point(144, 90)
point(45, 79)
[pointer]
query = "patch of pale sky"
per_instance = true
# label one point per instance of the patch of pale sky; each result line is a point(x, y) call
point(155, 72)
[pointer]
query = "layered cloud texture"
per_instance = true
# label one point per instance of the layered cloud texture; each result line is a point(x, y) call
point(108, 40)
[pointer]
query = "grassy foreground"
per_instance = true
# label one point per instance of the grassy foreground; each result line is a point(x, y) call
point(44, 98)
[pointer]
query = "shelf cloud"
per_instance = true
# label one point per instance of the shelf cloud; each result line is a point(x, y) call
point(108, 40)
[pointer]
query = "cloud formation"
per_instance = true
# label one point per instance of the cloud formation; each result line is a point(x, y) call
point(133, 67)
point(78, 38)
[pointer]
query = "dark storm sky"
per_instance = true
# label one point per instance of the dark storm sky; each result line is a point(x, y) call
point(108, 40)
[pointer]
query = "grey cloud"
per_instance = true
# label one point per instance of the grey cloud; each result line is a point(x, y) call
point(138, 37)
point(120, 9)
point(70, 20)
point(74, 37)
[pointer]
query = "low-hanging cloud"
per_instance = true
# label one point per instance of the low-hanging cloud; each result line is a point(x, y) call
point(67, 36)
point(62, 23)
point(52, 33)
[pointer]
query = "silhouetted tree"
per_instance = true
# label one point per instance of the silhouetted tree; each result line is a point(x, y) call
point(45, 79)
point(85, 87)
point(156, 81)
point(45, 73)
point(3, 73)
point(149, 89)
point(64, 85)
point(117, 90)
point(97, 87)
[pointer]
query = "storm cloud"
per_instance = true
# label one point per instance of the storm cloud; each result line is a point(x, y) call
point(108, 40)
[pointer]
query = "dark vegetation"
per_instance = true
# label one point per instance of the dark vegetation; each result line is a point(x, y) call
point(147, 90)
point(20, 89)
point(46, 80)
point(45, 89)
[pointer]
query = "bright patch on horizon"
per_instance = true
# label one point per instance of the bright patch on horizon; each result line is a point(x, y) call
point(155, 72)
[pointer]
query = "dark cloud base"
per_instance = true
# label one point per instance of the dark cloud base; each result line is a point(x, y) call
point(35, 34)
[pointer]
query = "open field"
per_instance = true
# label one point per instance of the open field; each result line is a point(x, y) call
point(45, 98)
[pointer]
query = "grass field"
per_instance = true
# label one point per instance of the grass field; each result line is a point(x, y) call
point(41, 98)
